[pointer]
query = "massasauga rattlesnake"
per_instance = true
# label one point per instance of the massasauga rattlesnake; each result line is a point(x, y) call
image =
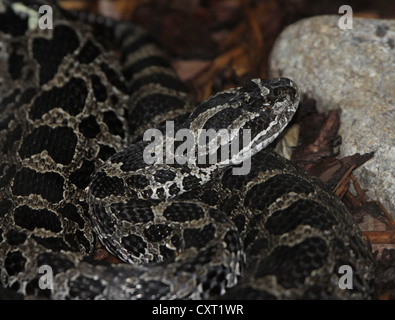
point(72, 117)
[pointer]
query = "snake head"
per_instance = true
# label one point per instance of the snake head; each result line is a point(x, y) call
point(262, 107)
point(269, 106)
point(265, 108)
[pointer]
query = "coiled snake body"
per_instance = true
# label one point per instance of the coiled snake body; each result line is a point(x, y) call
point(72, 169)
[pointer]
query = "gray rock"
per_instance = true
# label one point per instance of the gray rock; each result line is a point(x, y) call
point(353, 70)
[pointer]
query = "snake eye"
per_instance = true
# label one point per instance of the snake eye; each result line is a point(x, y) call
point(278, 91)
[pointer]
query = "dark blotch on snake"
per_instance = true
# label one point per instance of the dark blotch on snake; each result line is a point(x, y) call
point(291, 265)
point(15, 237)
point(14, 263)
point(113, 123)
point(64, 41)
point(260, 196)
point(88, 53)
point(157, 232)
point(89, 127)
point(70, 212)
point(71, 97)
point(103, 186)
point(30, 219)
point(198, 238)
point(47, 138)
point(49, 185)
point(99, 89)
point(302, 212)
point(81, 176)
point(134, 244)
point(182, 212)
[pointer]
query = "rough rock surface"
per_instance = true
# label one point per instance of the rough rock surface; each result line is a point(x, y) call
point(354, 70)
